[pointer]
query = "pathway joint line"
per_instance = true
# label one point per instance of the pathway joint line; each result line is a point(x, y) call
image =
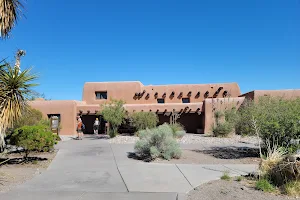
point(234, 170)
point(118, 167)
point(80, 197)
point(184, 176)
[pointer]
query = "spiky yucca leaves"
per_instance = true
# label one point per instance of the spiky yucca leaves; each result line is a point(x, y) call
point(10, 11)
point(15, 90)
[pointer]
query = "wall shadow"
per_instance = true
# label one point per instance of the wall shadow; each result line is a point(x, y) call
point(230, 152)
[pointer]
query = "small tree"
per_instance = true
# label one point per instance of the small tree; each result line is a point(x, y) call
point(114, 113)
point(143, 120)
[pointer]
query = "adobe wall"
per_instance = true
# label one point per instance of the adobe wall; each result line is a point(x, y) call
point(115, 90)
point(66, 109)
point(218, 104)
point(287, 94)
point(126, 91)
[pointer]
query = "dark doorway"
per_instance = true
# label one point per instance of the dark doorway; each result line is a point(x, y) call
point(88, 121)
point(190, 121)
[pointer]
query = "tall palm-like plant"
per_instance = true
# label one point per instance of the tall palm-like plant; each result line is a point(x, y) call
point(15, 90)
point(10, 11)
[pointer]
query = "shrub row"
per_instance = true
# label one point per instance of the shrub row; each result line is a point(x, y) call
point(276, 119)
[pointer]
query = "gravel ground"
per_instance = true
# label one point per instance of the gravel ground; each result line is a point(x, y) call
point(229, 190)
point(123, 139)
point(12, 175)
point(193, 139)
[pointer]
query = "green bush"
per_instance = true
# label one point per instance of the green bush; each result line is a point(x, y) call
point(157, 142)
point(178, 130)
point(231, 115)
point(264, 185)
point(226, 176)
point(143, 120)
point(239, 178)
point(114, 113)
point(292, 188)
point(224, 122)
point(113, 133)
point(222, 129)
point(277, 119)
point(33, 138)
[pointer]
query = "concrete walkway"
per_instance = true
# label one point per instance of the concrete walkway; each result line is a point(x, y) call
point(94, 169)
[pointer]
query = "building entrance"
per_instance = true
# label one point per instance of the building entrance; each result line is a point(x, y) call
point(88, 121)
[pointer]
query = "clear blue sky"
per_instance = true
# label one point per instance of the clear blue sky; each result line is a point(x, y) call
point(253, 42)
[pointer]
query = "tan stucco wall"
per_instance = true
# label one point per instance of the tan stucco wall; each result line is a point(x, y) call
point(127, 90)
point(288, 94)
point(218, 104)
point(66, 109)
point(115, 90)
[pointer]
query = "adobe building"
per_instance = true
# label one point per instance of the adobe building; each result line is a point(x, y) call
point(194, 103)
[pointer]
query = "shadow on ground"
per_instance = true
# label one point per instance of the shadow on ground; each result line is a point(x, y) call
point(94, 137)
point(231, 152)
point(14, 161)
point(134, 156)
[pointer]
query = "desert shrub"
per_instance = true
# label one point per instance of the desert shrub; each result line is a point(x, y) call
point(284, 171)
point(239, 178)
point(222, 129)
point(56, 138)
point(114, 113)
point(143, 120)
point(231, 116)
point(157, 142)
point(179, 134)
point(280, 169)
point(224, 122)
point(113, 132)
point(33, 138)
point(264, 185)
point(226, 176)
point(292, 188)
point(178, 130)
point(218, 116)
point(30, 117)
point(277, 119)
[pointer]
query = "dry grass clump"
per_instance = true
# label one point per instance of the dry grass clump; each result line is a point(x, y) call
point(292, 188)
point(274, 156)
point(280, 170)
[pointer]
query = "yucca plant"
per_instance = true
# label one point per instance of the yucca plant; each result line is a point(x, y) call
point(10, 11)
point(15, 90)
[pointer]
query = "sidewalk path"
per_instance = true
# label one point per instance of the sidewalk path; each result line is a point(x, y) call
point(94, 169)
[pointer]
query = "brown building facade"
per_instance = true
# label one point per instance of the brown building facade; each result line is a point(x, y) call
point(194, 103)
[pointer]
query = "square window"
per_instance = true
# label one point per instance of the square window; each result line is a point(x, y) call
point(101, 95)
point(160, 100)
point(185, 100)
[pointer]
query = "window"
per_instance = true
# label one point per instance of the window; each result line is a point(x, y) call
point(160, 100)
point(185, 100)
point(101, 95)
